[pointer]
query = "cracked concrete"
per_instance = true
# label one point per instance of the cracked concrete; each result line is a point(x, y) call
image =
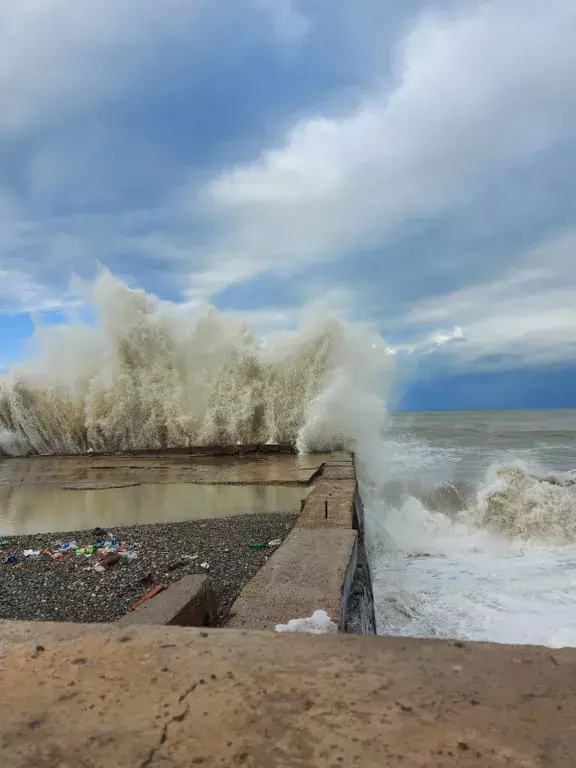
point(165, 697)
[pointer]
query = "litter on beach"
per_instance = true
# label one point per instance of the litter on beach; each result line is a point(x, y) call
point(107, 550)
point(147, 596)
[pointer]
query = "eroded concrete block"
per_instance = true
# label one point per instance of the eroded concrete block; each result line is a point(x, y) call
point(188, 602)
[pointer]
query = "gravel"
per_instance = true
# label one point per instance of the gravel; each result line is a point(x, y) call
point(69, 589)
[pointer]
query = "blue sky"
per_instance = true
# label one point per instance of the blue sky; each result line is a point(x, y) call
point(410, 165)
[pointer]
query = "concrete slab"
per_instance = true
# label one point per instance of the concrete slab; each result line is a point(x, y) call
point(168, 697)
point(330, 504)
point(339, 472)
point(84, 472)
point(312, 570)
point(188, 602)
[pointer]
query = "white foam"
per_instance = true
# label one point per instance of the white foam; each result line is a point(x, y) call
point(502, 568)
point(317, 624)
point(153, 375)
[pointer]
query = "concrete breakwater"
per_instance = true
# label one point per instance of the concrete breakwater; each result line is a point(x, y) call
point(320, 565)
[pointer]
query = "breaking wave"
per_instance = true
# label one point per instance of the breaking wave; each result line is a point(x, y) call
point(151, 374)
point(464, 545)
point(524, 506)
point(511, 501)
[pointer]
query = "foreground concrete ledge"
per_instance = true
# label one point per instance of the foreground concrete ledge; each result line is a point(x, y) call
point(98, 696)
point(312, 570)
point(188, 602)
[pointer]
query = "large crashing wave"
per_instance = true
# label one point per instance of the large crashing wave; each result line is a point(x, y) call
point(522, 505)
point(153, 375)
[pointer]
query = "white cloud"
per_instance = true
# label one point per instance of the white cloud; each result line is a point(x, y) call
point(19, 292)
point(479, 90)
point(526, 318)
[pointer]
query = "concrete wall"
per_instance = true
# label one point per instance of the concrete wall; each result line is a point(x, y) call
point(164, 697)
point(321, 565)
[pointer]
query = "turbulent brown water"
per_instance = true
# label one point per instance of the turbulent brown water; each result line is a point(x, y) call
point(151, 374)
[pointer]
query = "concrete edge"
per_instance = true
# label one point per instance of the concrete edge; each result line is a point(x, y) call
point(188, 602)
point(281, 587)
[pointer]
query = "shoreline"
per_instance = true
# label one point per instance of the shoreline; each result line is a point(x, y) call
point(70, 589)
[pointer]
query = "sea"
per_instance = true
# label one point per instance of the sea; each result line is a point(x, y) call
point(471, 517)
point(473, 526)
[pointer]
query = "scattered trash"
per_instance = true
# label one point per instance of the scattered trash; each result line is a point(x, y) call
point(153, 592)
point(190, 557)
point(317, 624)
point(275, 543)
point(66, 546)
point(257, 545)
point(34, 554)
point(108, 551)
point(206, 566)
point(87, 551)
point(107, 562)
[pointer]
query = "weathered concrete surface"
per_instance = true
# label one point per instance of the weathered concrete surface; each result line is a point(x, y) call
point(166, 697)
point(312, 570)
point(188, 602)
point(82, 472)
point(330, 504)
point(315, 566)
point(339, 472)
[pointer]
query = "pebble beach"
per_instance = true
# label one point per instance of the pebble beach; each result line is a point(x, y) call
point(69, 588)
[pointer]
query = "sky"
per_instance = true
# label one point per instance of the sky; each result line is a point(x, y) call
point(406, 165)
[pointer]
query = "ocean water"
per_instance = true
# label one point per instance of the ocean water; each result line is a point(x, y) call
point(472, 526)
point(471, 517)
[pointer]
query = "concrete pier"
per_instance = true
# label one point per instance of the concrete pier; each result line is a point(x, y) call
point(315, 567)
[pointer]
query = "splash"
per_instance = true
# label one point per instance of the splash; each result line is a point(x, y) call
point(153, 375)
point(529, 508)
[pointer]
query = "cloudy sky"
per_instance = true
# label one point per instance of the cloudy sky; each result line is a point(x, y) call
point(408, 164)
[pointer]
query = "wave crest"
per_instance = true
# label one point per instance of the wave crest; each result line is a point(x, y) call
point(153, 375)
point(534, 509)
